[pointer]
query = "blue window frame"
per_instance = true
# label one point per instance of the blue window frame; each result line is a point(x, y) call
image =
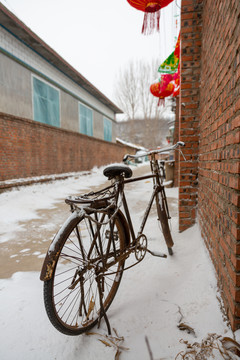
point(45, 103)
point(107, 129)
point(85, 120)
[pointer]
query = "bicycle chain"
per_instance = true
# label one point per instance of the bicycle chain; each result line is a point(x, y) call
point(139, 250)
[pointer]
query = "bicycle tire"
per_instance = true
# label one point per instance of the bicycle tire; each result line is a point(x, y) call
point(75, 311)
point(163, 218)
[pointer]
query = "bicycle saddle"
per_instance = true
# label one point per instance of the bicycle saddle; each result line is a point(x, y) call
point(115, 170)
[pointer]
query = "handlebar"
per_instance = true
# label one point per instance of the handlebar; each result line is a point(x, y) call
point(157, 151)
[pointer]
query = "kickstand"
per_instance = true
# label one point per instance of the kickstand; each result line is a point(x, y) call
point(102, 310)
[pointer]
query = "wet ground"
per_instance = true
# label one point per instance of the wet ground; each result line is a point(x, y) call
point(27, 248)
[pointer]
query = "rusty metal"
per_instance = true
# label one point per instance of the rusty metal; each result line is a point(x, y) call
point(48, 266)
point(108, 246)
point(139, 178)
point(51, 257)
point(102, 202)
point(141, 247)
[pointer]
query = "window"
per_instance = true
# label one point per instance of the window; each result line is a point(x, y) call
point(86, 120)
point(107, 129)
point(45, 103)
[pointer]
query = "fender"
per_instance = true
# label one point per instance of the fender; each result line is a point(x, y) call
point(125, 227)
point(55, 246)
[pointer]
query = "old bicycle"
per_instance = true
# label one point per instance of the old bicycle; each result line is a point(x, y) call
point(86, 259)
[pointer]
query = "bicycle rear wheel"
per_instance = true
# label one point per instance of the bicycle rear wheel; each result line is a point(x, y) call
point(163, 218)
point(72, 295)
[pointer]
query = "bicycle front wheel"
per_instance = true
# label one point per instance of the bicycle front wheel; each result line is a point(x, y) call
point(81, 282)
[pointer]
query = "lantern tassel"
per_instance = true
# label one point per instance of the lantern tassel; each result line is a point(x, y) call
point(151, 22)
point(161, 102)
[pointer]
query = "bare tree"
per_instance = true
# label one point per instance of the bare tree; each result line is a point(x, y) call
point(148, 102)
point(125, 93)
point(132, 92)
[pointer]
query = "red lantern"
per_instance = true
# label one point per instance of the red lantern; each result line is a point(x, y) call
point(157, 91)
point(160, 86)
point(167, 85)
point(152, 12)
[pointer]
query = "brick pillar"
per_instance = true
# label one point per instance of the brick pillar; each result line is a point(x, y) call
point(191, 28)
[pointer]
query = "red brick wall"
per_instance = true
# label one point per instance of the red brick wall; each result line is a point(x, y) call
point(29, 149)
point(210, 126)
point(219, 149)
point(191, 28)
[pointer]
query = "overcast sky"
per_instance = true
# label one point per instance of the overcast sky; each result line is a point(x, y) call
point(97, 37)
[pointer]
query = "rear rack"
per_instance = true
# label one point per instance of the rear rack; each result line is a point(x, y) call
point(98, 199)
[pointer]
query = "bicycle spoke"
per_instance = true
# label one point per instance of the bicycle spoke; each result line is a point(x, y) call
point(87, 252)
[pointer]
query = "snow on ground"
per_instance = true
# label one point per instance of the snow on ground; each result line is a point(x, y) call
point(153, 298)
point(21, 204)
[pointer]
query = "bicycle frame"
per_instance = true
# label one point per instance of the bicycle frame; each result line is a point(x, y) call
point(157, 188)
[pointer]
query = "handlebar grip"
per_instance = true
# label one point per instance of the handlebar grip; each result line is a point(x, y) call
point(181, 143)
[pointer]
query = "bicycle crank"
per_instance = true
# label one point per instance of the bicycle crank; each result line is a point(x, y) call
point(140, 247)
point(156, 253)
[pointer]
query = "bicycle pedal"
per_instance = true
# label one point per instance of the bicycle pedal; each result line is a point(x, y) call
point(156, 253)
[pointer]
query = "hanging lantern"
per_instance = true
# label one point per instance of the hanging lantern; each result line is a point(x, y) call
point(169, 81)
point(152, 13)
point(170, 71)
point(157, 91)
point(160, 85)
